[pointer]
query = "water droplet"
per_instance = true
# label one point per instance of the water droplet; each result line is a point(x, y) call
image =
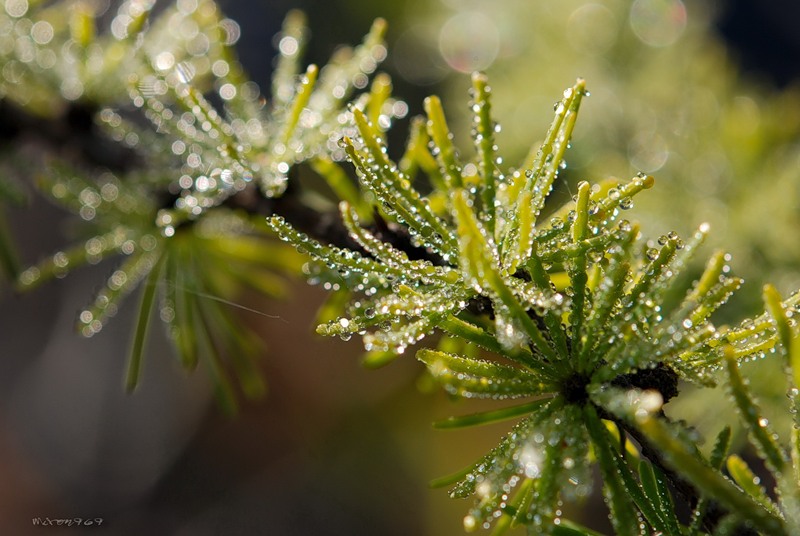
point(185, 72)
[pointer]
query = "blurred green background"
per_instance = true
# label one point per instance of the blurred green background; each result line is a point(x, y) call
point(702, 95)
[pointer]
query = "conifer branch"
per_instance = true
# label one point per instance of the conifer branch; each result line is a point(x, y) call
point(578, 317)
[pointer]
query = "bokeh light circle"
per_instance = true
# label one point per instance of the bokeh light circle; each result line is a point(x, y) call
point(648, 152)
point(469, 41)
point(592, 29)
point(658, 23)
